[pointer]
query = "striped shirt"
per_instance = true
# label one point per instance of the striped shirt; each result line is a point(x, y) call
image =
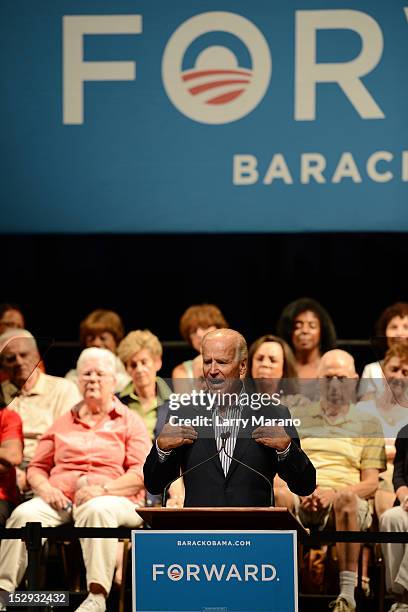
point(230, 416)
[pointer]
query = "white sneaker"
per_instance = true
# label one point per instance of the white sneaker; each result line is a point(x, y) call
point(93, 603)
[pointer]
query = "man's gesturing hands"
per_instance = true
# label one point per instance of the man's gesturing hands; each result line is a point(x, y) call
point(173, 436)
point(274, 437)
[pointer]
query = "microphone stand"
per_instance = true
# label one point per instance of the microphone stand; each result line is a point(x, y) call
point(224, 438)
point(256, 472)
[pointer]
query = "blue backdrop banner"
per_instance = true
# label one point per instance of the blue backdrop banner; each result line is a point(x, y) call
point(150, 116)
point(214, 571)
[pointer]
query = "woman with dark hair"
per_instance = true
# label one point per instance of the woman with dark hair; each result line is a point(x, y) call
point(392, 326)
point(11, 317)
point(272, 366)
point(308, 329)
point(272, 369)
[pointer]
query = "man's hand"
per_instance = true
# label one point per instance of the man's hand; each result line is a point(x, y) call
point(325, 497)
point(86, 493)
point(320, 499)
point(390, 450)
point(274, 437)
point(53, 496)
point(174, 502)
point(310, 503)
point(22, 480)
point(173, 436)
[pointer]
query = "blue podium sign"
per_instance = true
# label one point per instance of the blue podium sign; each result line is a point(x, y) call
point(214, 571)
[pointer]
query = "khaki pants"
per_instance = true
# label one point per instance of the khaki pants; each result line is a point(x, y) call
point(99, 553)
point(395, 555)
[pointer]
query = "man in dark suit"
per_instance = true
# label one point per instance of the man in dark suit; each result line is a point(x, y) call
point(235, 429)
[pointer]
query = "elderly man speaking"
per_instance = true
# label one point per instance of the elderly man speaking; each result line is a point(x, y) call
point(88, 465)
point(234, 424)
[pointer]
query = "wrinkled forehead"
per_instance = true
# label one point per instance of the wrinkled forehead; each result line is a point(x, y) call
point(336, 367)
point(144, 353)
point(101, 364)
point(19, 345)
point(220, 346)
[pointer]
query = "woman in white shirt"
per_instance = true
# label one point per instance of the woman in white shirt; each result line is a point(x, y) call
point(392, 326)
point(391, 409)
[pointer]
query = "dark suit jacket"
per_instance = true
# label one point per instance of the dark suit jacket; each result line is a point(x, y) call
point(208, 486)
point(400, 476)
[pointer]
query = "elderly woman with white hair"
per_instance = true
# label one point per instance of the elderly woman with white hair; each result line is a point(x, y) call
point(87, 467)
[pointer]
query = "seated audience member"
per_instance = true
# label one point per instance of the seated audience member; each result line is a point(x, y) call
point(141, 353)
point(272, 369)
point(346, 446)
point(196, 321)
point(393, 326)
point(391, 408)
point(103, 329)
point(146, 394)
point(37, 397)
point(11, 455)
point(87, 467)
point(396, 520)
point(271, 365)
point(308, 329)
point(11, 317)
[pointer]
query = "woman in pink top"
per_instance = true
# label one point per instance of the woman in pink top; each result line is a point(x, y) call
point(88, 467)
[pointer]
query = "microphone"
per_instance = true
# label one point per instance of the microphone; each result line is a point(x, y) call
point(250, 468)
point(224, 438)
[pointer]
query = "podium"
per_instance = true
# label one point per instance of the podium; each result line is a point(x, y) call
point(179, 519)
point(216, 559)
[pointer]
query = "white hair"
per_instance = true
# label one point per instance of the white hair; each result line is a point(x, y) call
point(241, 347)
point(16, 334)
point(101, 354)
